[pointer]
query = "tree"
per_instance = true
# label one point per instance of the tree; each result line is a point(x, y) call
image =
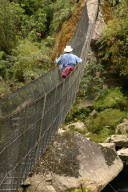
point(9, 24)
point(114, 42)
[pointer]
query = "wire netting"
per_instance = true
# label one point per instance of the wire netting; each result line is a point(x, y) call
point(29, 117)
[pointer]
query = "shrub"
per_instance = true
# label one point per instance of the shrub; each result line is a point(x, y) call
point(4, 88)
point(91, 85)
point(43, 17)
point(77, 114)
point(62, 10)
point(113, 45)
point(31, 62)
point(102, 135)
point(10, 14)
point(27, 37)
point(108, 118)
point(112, 98)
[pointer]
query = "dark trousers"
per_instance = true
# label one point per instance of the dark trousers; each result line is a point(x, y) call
point(66, 71)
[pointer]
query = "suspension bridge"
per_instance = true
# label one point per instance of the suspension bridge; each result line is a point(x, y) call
point(30, 117)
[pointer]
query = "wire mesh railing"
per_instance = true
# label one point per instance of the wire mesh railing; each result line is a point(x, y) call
point(29, 117)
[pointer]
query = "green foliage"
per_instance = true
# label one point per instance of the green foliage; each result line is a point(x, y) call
point(101, 136)
point(2, 54)
point(77, 114)
point(36, 19)
point(62, 10)
point(4, 88)
point(113, 46)
point(91, 85)
point(9, 24)
point(47, 43)
point(43, 17)
point(30, 62)
point(4, 68)
point(27, 28)
point(108, 118)
point(112, 98)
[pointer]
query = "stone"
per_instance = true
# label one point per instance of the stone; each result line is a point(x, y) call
point(27, 182)
point(123, 154)
point(93, 113)
point(92, 5)
point(99, 27)
point(78, 126)
point(39, 184)
point(86, 103)
point(72, 161)
point(61, 131)
point(119, 140)
point(109, 145)
point(122, 128)
point(50, 188)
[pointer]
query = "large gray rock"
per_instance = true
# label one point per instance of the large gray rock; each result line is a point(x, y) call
point(73, 161)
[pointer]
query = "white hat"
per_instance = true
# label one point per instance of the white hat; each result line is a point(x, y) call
point(68, 48)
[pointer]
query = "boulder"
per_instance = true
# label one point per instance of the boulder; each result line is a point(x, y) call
point(77, 126)
point(119, 140)
point(109, 145)
point(123, 154)
point(99, 27)
point(93, 113)
point(71, 162)
point(122, 128)
point(88, 102)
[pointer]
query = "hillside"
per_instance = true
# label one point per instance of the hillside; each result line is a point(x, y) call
point(33, 33)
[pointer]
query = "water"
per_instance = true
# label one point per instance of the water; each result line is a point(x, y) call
point(119, 184)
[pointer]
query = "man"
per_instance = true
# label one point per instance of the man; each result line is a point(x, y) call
point(67, 61)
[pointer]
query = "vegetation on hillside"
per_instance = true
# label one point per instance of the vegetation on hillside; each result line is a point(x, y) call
point(104, 124)
point(102, 118)
point(110, 105)
point(111, 98)
point(28, 29)
point(92, 82)
point(113, 45)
